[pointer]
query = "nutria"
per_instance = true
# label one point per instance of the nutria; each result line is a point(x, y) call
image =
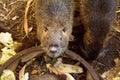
point(97, 17)
point(54, 20)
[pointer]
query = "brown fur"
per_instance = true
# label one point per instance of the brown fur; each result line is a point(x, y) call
point(55, 18)
point(97, 16)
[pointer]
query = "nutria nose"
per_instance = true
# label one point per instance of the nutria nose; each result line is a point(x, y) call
point(53, 48)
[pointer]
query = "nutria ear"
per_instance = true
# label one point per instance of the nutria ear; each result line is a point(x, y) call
point(71, 38)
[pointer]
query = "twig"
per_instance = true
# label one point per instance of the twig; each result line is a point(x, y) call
point(20, 55)
point(74, 56)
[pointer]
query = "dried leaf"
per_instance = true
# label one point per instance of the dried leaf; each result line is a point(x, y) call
point(7, 75)
point(60, 68)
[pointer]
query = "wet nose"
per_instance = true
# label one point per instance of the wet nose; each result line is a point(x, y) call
point(53, 48)
point(51, 51)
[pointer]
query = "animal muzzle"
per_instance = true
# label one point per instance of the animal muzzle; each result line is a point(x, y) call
point(54, 50)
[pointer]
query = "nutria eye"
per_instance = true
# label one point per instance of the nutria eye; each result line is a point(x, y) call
point(64, 29)
point(46, 29)
point(61, 38)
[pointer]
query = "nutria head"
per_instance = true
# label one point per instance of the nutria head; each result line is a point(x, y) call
point(54, 20)
point(54, 40)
